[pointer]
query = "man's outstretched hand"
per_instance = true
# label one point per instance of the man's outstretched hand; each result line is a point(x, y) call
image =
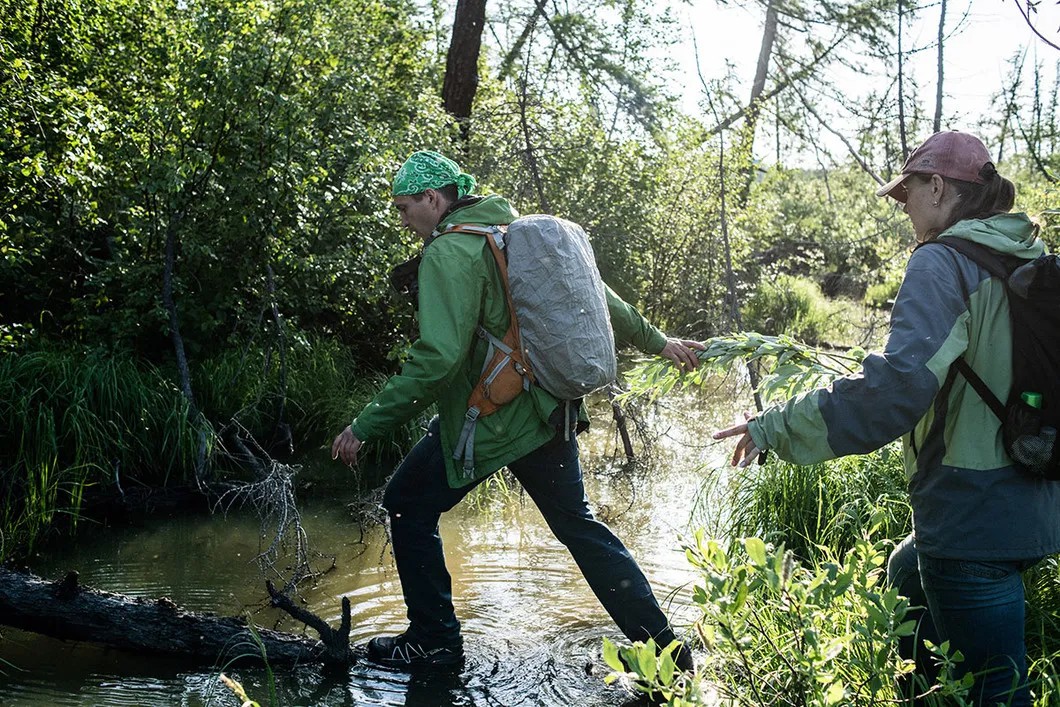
point(346, 446)
point(682, 353)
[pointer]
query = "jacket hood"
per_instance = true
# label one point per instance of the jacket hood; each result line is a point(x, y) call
point(1009, 234)
point(491, 210)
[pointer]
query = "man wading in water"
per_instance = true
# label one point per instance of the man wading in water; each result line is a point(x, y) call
point(459, 287)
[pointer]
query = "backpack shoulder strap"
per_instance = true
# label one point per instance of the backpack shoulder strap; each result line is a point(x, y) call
point(995, 263)
point(494, 236)
point(981, 388)
point(1000, 267)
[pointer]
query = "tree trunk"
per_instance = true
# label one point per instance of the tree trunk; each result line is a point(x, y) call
point(509, 59)
point(68, 611)
point(178, 348)
point(461, 66)
point(901, 89)
point(937, 125)
point(754, 105)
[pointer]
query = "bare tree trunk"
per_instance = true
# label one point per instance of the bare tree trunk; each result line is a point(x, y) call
point(1010, 108)
point(730, 276)
point(529, 149)
point(765, 52)
point(183, 370)
point(461, 65)
point(901, 88)
point(754, 105)
point(509, 59)
point(937, 124)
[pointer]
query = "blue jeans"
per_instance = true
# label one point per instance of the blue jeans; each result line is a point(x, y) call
point(978, 606)
point(419, 493)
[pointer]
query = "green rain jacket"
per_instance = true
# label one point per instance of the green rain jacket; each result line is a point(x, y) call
point(969, 501)
point(460, 286)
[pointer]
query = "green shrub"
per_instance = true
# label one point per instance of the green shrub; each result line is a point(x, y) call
point(881, 294)
point(780, 634)
point(71, 419)
point(794, 306)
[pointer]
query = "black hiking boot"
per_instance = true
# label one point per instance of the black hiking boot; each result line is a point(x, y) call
point(406, 653)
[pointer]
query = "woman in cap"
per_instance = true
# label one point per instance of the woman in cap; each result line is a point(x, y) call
point(978, 520)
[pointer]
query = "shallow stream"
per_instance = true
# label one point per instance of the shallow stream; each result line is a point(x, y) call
point(532, 627)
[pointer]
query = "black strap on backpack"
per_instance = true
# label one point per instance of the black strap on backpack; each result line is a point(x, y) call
point(1000, 267)
point(1034, 306)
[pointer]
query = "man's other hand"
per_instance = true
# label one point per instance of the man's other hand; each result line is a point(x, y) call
point(346, 446)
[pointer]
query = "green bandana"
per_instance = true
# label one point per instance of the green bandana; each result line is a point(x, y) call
point(429, 170)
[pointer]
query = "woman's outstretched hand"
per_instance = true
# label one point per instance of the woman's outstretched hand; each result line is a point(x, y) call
point(746, 451)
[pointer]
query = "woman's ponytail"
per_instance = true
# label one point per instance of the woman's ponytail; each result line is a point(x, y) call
point(979, 201)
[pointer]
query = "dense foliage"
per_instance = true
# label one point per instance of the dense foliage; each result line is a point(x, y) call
point(196, 237)
point(256, 136)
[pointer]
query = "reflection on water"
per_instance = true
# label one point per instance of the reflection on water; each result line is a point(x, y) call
point(532, 627)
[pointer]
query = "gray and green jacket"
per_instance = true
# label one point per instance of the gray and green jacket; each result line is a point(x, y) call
point(460, 286)
point(968, 500)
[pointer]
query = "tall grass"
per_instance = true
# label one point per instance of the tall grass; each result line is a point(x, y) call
point(317, 390)
point(828, 505)
point(70, 419)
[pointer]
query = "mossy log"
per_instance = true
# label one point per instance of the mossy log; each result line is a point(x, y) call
point(67, 610)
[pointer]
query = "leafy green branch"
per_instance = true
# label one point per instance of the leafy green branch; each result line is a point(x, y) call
point(788, 366)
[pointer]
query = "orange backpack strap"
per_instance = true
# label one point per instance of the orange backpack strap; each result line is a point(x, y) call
point(493, 234)
point(505, 372)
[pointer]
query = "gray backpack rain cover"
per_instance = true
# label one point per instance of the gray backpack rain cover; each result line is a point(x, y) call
point(560, 305)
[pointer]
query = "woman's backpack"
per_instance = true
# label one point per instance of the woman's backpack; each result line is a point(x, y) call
point(1031, 415)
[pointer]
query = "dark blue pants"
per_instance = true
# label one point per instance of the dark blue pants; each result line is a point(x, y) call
point(419, 493)
point(978, 607)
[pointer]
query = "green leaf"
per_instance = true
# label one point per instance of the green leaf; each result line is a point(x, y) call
point(667, 667)
point(611, 656)
point(756, 550)
point(834, 694)
point(906, 628)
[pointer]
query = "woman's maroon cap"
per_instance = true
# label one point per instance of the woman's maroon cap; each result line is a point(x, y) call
point(950, 154)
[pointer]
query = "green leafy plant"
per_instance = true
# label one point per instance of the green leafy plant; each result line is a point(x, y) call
point(651, 671)
point(791, 305)
point(776, 632)
point(788, 366)
point(822, 635)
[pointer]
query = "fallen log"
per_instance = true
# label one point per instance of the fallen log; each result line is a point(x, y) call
point(67, 610)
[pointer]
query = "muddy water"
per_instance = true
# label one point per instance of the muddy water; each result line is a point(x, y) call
point(532, 627)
